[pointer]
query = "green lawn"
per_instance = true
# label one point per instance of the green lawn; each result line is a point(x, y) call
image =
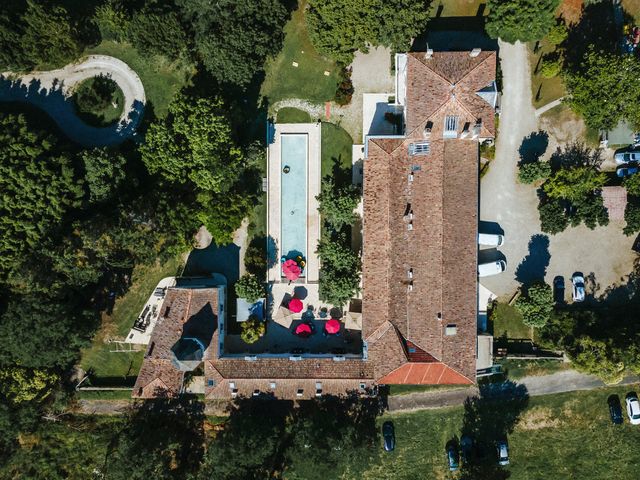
point(517, 369)
point(98, 356)
point(104, 394)
point(161, 79)
point(559, 437)
point(336, 151)
point(293, 115)
point(458, 8)
point(508, 321)
point(307, 80)
point(405, 389)
point(544, 90)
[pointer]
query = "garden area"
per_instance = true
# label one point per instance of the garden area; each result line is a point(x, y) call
point(306, 79)
point(121, 368)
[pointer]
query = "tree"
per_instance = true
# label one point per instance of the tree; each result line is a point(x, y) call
point(573, 184)
point(39, 181)
point(632, 216)
point(632, 184)
point(162, 439)
point(339, 272)
point(112, 21)
point(222, 213)
point(551, 66)
point(234, 37)
point(155, 31)
point(19, 385)
point(193, 145)
point(249, 287)
point(36, 332)
point(536, 305)
point(49, 36)
point(338, 204)
point(252, 330)
point(104, 172)
point(594, 89)
point(520, 20)
point(531, 172)
point(339, 28)
point(598, 357)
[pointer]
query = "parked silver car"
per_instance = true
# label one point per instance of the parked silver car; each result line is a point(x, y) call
point(490, 239)
point(578, 287)
point(625, 157)
point(491, 268)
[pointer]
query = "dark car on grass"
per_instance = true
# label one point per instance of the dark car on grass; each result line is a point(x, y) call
point(388, 436)
point(615, 410)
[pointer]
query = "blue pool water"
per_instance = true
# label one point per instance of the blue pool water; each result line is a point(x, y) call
point(293, 223)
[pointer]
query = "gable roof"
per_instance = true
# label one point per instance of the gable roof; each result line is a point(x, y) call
point(439, 251)
point(450, 83)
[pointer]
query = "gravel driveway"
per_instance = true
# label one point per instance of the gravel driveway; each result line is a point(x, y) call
point(51, 90)
point(603, 254)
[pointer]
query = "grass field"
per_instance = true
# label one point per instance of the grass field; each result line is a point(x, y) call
point(508, 321)
point(98, 356)
point(516, 369)
point(459, 8)
point(544, 90)
point(293, 115)
point(307, 80)
point(559, 437)
point(406, 389)
point(161, 79)
point(336, 150)
point(104, 394)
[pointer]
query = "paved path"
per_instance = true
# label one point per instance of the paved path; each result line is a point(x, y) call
point(560, 382)
point(51, 92)
point(548, 106)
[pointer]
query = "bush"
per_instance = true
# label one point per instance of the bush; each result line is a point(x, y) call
point(337, 204)
point(558, 34)
point(112, 22)
point(551, 66)
point(252, 330)
point(344, 92)
point(249, 287)
point(340, 270)
point(632, 216)
point(534, 171)
point(536, 305)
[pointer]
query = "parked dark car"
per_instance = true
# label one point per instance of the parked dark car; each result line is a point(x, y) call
point(615, 410)
point(503, 452)
point(452, 457)
point(388, 436)
point(466, 449)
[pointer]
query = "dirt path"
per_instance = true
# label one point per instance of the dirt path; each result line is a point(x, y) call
point(51, 92)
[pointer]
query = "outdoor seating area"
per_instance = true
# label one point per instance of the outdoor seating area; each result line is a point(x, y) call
point(144, 324)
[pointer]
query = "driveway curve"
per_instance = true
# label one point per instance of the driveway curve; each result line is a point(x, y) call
point(51, 91)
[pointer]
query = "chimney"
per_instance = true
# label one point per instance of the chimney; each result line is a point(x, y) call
point(476, 128)
point(428, 54)
point(475, 52)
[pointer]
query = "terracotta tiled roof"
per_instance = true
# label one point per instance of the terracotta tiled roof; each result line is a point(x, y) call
point(447, 84)
point(184, 310)
point(435, 373)
point(615, 201)
point(423, 279)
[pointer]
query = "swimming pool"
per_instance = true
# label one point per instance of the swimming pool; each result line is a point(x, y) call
point(293, 194)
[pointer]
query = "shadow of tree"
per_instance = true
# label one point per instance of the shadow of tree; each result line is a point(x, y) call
point(534, 266)
point(490, 417)
point(533, 147)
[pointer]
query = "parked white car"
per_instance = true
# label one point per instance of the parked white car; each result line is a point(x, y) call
point(491, 268)
point(578, 288)
point(490, 239)
point(625, 157)
point(633, 409)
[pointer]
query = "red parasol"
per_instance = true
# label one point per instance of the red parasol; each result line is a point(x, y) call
point(332, 326)
point(295, 305)
point(304, 329)
point(291, 269)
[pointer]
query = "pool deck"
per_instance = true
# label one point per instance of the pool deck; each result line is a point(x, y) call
point(312, 130)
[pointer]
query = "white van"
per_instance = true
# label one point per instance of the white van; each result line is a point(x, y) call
point(490, 239)
point(491, 268)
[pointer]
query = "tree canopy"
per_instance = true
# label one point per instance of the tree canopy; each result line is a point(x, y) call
point(595, 92)
point(339, 28)
point(536, 305)
point(520, 20)
point(338, 203)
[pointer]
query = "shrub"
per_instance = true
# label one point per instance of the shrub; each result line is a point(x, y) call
point(345, 90)
point(249, 287)
point(252, 330)
point(632, 216)
point(534, 171)
point(551, 66)
point(558, 34)
point(112, 22)
point(337, 204)
point(536, 305)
